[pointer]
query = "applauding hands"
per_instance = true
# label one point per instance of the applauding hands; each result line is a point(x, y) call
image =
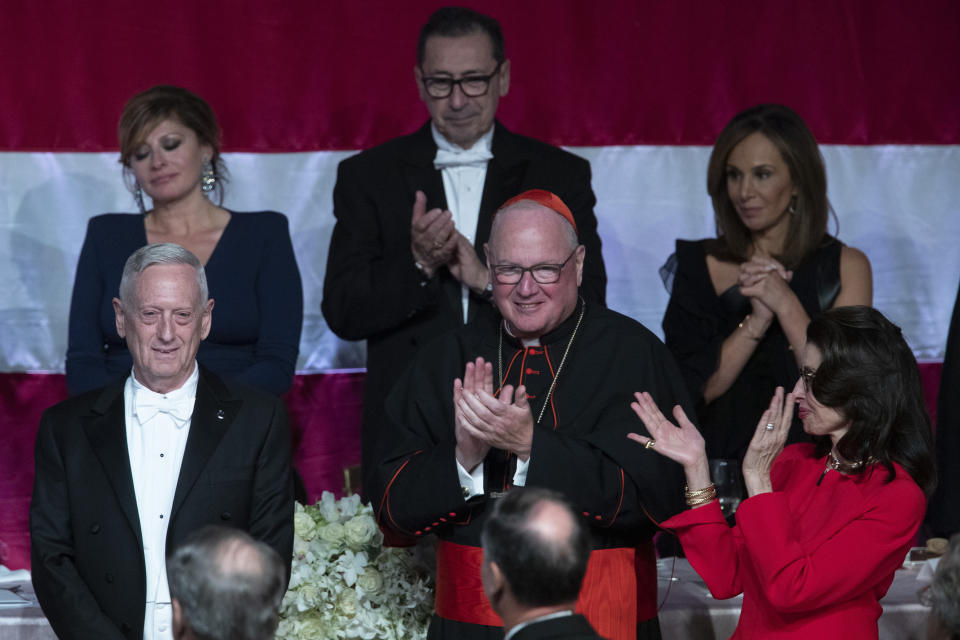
point(484, 420)
point(683, 443)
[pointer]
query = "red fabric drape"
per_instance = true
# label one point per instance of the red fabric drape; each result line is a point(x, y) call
point(306, 75)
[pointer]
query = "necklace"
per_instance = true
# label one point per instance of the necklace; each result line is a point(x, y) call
point(833, 462)
point(546, 401)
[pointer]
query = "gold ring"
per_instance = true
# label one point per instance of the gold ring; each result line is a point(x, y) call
point(650, 444)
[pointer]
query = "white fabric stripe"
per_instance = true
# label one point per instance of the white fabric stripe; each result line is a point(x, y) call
point(899, 204)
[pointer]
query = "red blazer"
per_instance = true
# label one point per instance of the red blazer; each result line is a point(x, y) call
point(811, 560)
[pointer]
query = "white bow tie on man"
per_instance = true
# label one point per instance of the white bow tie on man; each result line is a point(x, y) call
point(477, 156)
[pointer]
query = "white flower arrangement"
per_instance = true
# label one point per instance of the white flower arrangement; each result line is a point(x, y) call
point(345, 584)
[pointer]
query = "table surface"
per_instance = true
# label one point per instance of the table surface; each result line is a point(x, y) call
point(689, 612)
point(24, 623)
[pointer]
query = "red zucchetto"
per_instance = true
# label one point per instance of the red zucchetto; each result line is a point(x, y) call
point(545, 198)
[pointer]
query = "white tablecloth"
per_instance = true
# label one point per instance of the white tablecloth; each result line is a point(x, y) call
point(688, 612)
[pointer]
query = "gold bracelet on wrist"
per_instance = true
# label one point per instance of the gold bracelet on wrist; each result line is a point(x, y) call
point(701, 501)
point(698, 497)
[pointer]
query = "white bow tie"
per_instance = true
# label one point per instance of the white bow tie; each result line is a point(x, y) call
point(477, 156)
point(148, 405)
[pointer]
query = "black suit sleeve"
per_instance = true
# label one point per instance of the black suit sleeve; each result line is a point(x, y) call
point(65, 598)
point(371, 284)
point(271, 504)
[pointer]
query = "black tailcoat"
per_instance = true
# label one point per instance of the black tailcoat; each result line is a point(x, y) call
point(372, 290)
point(87, 546)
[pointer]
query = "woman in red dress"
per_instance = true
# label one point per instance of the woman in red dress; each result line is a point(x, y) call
point(827, 524)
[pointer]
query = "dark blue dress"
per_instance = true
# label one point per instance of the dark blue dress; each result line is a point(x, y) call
point(252, 276)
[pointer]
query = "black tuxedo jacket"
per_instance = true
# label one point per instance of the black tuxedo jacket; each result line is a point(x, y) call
point(573, 627)
point(86, 543)
point(372, 290)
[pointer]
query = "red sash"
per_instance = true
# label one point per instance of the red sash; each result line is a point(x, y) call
point(608, 598)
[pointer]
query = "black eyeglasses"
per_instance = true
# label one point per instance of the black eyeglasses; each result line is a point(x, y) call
point(472, 86)
point(807, 375)
point(543, 273)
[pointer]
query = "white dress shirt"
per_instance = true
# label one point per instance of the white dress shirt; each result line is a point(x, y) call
point(463, 186)
point(157, 426)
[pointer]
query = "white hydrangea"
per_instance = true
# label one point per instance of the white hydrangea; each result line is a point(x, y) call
point(344, 584)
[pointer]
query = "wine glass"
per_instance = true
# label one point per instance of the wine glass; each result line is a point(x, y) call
point(729, 485)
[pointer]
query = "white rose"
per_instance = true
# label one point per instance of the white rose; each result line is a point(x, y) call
point(312, 625)
point(370, 581)
point(332, 533)
point(304, 526)
point(307, 597)
point(360, 531)
point(347, 602)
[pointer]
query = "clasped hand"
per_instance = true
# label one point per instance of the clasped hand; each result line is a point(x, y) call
point(765, 281)
point(483, 420)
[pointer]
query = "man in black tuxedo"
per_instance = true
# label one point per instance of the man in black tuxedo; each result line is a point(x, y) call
point(126, 472)
point(535, 552)
point(406, 259)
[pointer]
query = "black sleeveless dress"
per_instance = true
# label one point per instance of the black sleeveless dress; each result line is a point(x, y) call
point(697, 321)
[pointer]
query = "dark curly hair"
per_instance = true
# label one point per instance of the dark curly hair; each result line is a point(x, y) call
point(868, 373)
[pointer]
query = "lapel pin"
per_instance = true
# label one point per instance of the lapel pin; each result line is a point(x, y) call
point(220, 414)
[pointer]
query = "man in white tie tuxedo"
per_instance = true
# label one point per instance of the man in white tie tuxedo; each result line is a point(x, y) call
point(406, 259)
point(125, 472)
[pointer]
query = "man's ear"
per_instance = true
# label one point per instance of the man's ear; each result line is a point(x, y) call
point(493, 583)
point(119, 318)
point(418, 78)
point(503, 81)
point(206, 320)
point(581, 254)
point(178, 626)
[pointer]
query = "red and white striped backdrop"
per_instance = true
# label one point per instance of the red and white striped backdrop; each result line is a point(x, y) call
point(639, 87)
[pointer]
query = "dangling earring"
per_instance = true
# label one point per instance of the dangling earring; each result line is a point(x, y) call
point(208, 179)
point(138, 197)
point(792, 208)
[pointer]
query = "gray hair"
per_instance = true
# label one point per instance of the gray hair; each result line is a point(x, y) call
point(229, 585)
point(158, 253)
point(568, 229)
point(540, 571)
point(944, 591)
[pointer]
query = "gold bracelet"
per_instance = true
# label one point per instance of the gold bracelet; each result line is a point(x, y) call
point(701, 501)
point(699, 497)
point(743, 325)
point(699, 493)
point(688, 491)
